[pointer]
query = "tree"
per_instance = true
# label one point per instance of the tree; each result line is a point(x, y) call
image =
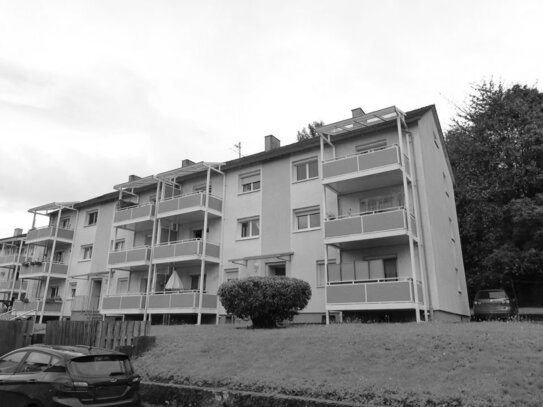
point(265, 300)
point(304, 134)
point(496, 150)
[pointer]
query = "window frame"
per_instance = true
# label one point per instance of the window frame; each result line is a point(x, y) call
point(119, 281)
point(306, 162)
point(86, 249)
point(307, 212)
point(250, 221)
point(231, 271)
point(249, 178)
point(91, 215)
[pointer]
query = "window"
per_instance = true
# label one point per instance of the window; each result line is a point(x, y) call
point(8, 364)
point(435, 139)
point(277, 269)
point(370, 145)
point(35, 362)
point(321, 272)
point(249, 228)
point(201, 188)
point(307, 219)
point(65, 223)
point(195, 282)
point(383, 268)
point(73, 289)
point(86, 252)
point(197, 233)
point(308, 169)
point(380, 203)
point(122, 285)
point(53, 292)
point(92, 218)
point(250, 182)
point(59, 256)
point(231, 274)
point(119, 245)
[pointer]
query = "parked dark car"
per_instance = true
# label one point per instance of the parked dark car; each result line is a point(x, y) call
point(489, 304)
point(43, 376)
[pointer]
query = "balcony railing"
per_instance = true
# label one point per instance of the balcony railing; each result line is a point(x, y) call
point(184, 249)
point(134, 214)
point(136, 256)
point(123, 303)
point(380, 291)
point(42, 268)
point(174, 302)
point(366, 223)
point(181, 301)
point(48, 233)
point(358, 163)
point(8, 259)
point(50, 306)
point(188, 203)
point(19, 285)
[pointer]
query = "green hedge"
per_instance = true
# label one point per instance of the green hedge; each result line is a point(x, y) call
point(265, 300)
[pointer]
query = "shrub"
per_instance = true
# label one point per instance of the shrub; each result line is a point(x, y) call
point(265, 300)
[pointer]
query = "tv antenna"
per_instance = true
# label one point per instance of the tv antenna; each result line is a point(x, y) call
point(237, 149)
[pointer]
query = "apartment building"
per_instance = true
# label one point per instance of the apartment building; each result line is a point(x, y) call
point(365, 213)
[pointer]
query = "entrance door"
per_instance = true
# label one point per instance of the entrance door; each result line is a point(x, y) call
point(96, 293)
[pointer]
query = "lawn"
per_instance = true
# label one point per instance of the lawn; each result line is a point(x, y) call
point(468, 364)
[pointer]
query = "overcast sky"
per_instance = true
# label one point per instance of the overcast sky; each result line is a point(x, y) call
point(92, 91)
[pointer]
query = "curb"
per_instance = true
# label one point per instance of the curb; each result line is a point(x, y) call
point(178, 395)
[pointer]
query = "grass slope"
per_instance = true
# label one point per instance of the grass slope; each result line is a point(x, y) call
point(476, 364)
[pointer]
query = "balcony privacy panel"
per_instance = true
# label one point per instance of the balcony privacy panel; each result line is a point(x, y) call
point(340, 167)
point(121, 216)
point(143, 211)
point(189, 201)
point(377, 158)
point(391, 291)
point(406, 165)
point(64, 234)
point(208, 301)
point(347, 271)
point(337, 294)
point(137, 255)
point(190, 248)
point(167, 206)
point(117, 257)
point(361, 270)
point(132, 301)
point(6, 285)
point(159, 301)
point(215, 203)
point(49, 233)
point(343, 227)
point(183, 300)
point(212, 250)
point(111, 303)
point(164, 251)
point(384, 221)
point(8, 259)
point(334, 272)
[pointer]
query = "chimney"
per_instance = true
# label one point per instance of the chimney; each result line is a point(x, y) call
point(271, 143)
point(186, 162)
point(357, 112)
point(133, 178)
point(17, 232)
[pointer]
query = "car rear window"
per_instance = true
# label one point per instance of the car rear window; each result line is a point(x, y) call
point(100, 366)
point(491, 295)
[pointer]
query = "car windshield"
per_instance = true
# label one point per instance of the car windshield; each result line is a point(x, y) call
point(100, 366)
point(491, 295)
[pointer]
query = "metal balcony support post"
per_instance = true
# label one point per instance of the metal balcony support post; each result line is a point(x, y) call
point(420, 233)
point(221, 244)
point(52, 255)
point(323, 216)
point(66, 282)
point(150, 269)
point(204, 242)
point(17, 267)
point(407, 208)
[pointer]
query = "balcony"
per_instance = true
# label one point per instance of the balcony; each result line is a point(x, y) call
point(47, 233)
point(132, 259)
point(135, 218)
point(9, 260)
point(189, 208)
point(123, 304)
point(20, 285)
point(51, 307)
point(187, 251)
point(389, 225)
point(181, 303)
point(368, 170)
point(39, 270)
point(380, 294)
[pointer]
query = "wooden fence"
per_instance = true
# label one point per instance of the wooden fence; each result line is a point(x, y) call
point(102, 334)
point(15, 334)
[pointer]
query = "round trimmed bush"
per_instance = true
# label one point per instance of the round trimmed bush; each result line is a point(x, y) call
point(265, 300)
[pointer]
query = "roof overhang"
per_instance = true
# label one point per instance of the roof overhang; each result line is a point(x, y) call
point(138, 183)
point(188, 170)
point(275, 256)
point(53, 206)
point(361, 122)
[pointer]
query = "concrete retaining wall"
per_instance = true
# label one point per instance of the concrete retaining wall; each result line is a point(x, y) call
point(173, 395)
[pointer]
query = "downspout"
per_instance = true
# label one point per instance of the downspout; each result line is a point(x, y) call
point(52, 255)
point(204, 243)
point(408, 219)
